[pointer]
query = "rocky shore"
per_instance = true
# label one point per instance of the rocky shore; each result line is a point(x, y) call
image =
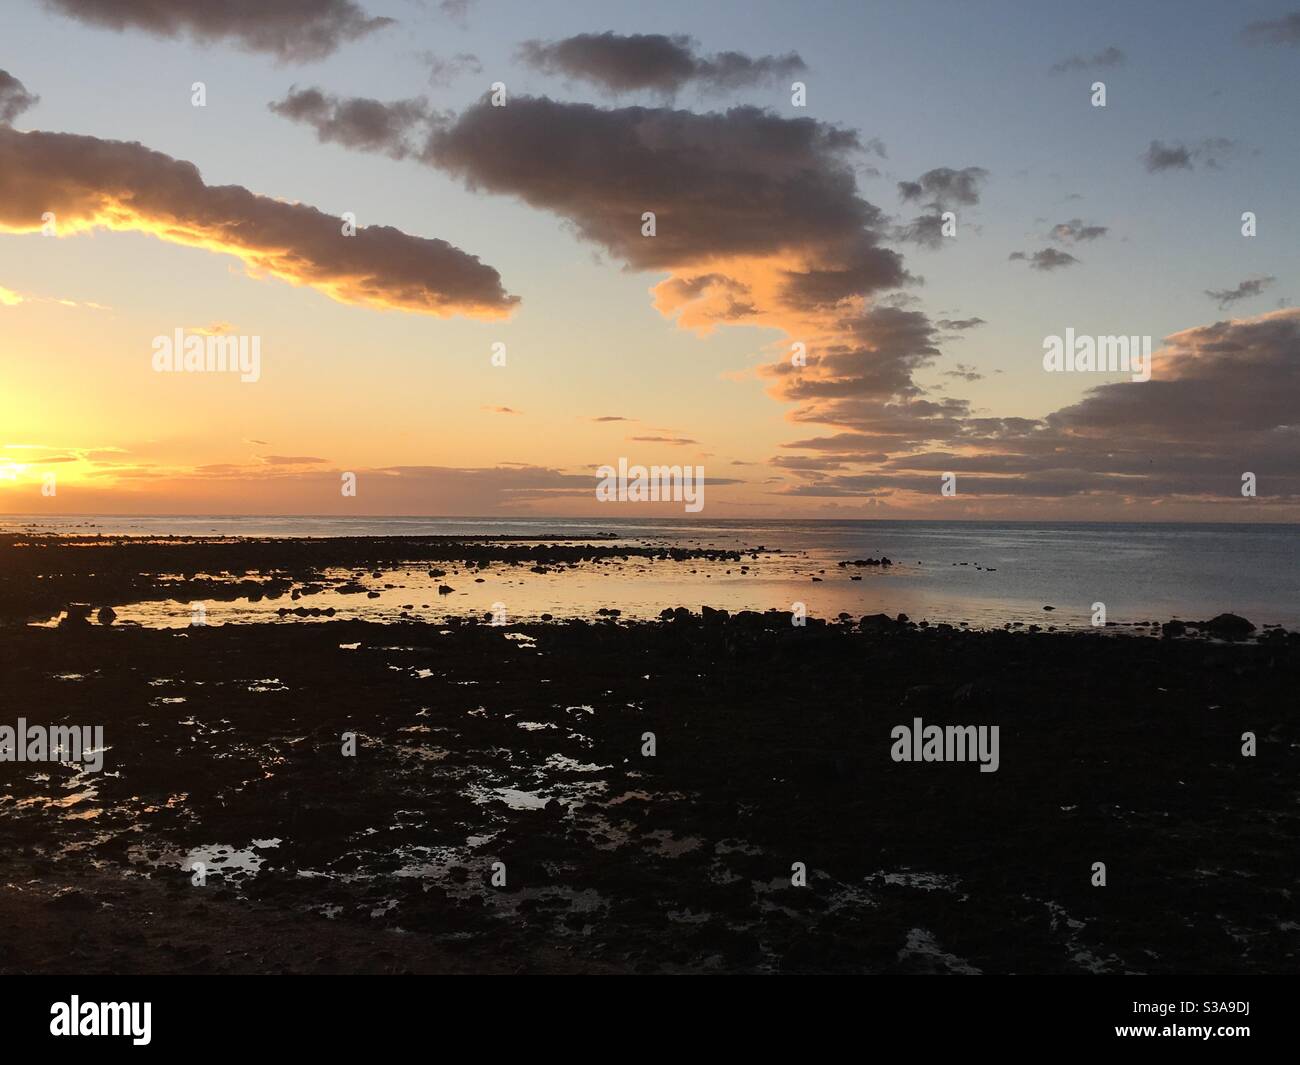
point(44, 575)
point(613, 796)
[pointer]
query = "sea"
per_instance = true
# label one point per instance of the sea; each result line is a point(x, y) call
point(980, 574)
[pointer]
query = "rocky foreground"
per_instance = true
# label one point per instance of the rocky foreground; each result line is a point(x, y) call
point(502, 810)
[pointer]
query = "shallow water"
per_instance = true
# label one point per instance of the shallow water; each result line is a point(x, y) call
point(984, 574)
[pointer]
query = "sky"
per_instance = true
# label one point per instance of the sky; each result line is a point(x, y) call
point(519, 230)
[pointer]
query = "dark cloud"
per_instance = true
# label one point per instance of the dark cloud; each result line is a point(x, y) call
point(292, 30)
point(358, 122)
point(1222, 401)
point(945, 187)
point(675, 440)
point(1211, 152)
point(612, 418)
point(14, 98)
point(873, 354)
point(757, 216)
point(965, 372)
point(960, 323)
point(1047, 259)
point(1076, 231)
point(91, 183)
point(292, 460)
point(736, 183)
point(1107, 57)
point(619, 63)
point(741, 184)
point(1285, 30)
point(1244, 290)
point(1167, 157)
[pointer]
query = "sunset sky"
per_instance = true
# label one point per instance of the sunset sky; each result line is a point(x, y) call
point(522, 225)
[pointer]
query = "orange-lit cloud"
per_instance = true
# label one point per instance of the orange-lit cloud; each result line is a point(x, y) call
point(87, 183)
point(10, 298)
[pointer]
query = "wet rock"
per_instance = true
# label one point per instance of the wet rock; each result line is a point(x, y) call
point(107, 615)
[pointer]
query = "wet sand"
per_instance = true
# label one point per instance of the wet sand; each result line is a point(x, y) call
point(523, 744)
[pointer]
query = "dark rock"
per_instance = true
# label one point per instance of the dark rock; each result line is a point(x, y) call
point(1229, 626)
point(77, 614)
point(876, 623)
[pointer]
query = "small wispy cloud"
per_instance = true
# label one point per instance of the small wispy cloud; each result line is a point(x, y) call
point(1076, 231)
point(1047, 259)
point(1225, 297)
point(676, 441)
point(1212, 152)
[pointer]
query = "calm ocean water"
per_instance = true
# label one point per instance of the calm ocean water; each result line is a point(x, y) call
point(981, 573)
